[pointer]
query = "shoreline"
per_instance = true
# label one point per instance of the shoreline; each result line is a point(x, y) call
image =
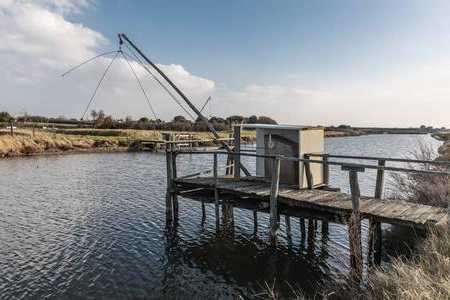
point(27, 144)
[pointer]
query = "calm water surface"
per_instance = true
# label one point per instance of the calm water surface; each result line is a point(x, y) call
point(93, 226)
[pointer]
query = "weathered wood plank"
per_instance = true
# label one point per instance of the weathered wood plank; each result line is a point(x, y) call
point(391, 211)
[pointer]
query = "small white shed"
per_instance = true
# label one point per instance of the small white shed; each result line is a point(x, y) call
point(291, 141)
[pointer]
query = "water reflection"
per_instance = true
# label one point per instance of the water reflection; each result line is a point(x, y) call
point(249, 260)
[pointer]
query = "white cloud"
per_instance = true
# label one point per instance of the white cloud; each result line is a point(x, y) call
point(36, 41)
point(39, 43)
point(419, 94)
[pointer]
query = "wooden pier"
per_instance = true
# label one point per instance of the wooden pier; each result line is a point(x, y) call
point(174, 143)
point(315, 201)
point(330, 202)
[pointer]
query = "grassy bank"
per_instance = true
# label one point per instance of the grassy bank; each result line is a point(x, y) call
point(25, 142)
point(29, 142)
point(427, 274)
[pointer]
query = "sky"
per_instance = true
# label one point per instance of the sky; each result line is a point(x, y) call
point(363, 63)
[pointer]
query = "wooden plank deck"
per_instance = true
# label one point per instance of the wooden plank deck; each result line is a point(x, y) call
point(388, 211)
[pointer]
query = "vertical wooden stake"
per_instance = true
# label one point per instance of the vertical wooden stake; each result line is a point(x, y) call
point(173, 184)
point(216, 191)
point(302, 228)
point(326, 170)
point(311, 237)
point(11, 124)
point(274, 197)
point(169, 204)
point(203, 212)
point(237, 149)
point(309, 177)
point(255, 222)
point(287, 220)
point(375, 232)
point(302, 233)
point(354, 228)
point(324, 228)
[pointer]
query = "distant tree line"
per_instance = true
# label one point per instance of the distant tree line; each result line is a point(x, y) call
point(99, 119)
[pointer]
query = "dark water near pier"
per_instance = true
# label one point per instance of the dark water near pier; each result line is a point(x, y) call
point(93, 226)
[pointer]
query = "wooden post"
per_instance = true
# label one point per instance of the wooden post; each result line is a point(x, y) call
point(203, 212)
point(229, 168)
point(11, 124)
point(375, 233)
point(309, 177)
point(287, 220)
point(302, 232)
point(311, 237)
point(255, 222)
point(228, 217)
point(274, 197)
point(324, 228)
point(380, 180)
point(354, 227)
point(237, 149)
point(173, 184)
point(325, 170)
point(216, 192)
point(302, 227)
point(169, 204)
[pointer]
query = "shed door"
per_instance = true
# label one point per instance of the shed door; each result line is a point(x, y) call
point(288, 169)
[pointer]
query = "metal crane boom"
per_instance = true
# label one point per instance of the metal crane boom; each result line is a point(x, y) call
point(123, 38)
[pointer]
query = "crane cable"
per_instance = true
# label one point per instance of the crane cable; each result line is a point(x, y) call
point(135, 57)
point(140, 84)
point(139, 61)
point(99, 84)
point(86, 61)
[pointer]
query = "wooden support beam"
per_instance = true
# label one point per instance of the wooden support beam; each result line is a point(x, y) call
point(216, 191)
point(380, 180)
point(274, 196)
point(228, 217)
point(287, 220)
point(308, 173)
point(375, 232)
point(302, 228)
point(169, 198)
point(237, 149)
point(203, 212)
point(324, 228)
point(174, 186)
point(11, 125)
point(325, 170)
point(255, 221)
point(311, 237)
point(229, 165)
point(354, 228)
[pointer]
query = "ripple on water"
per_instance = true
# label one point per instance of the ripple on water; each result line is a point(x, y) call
point(93, 226)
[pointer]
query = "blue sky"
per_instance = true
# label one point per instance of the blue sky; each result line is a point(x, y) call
point(241, 42)
point(278, 58)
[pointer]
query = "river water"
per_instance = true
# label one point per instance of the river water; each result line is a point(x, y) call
point(92, 226)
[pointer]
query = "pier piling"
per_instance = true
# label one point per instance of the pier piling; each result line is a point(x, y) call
point(169, 197)
point(216, 192)
point(354, 225)
point(237, 149)
point(274, 197)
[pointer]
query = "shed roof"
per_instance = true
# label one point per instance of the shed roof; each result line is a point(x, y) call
point(281, 126)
